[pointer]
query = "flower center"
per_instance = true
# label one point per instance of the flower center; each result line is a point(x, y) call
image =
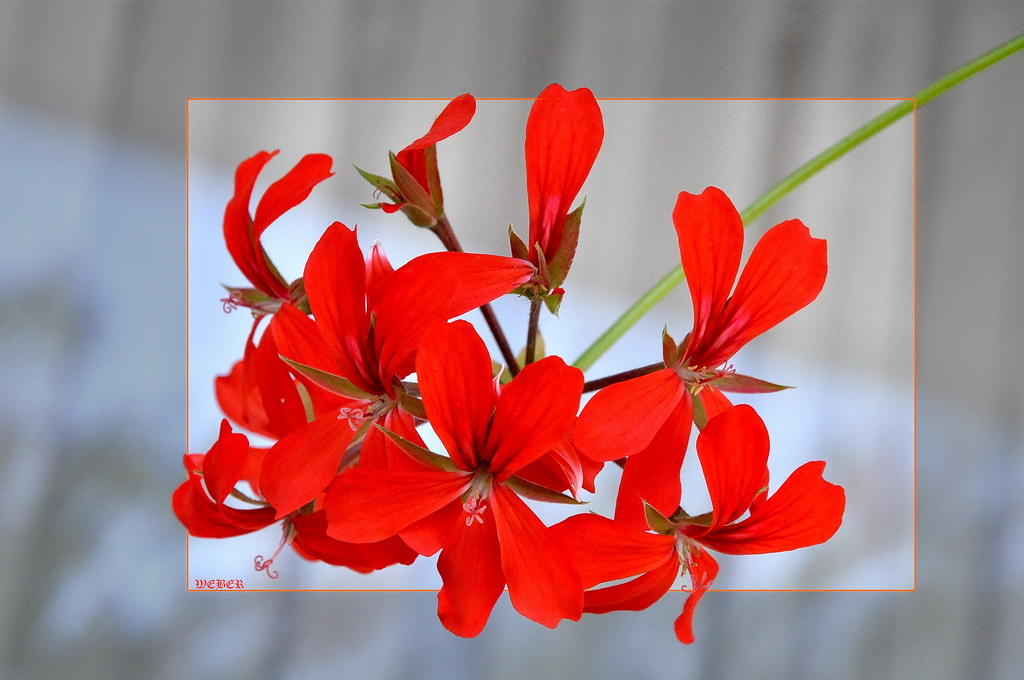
point(697, 377)
point(473, 502)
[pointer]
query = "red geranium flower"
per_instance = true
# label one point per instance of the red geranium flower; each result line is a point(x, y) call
point(785, 272)
point(468, 506)
point(369, 320)
point(242, 231)
point(733, 450)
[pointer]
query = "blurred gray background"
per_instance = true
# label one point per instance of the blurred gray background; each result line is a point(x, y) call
point(93, 258)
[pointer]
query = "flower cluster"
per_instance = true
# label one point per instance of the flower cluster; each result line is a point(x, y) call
point(344, 366)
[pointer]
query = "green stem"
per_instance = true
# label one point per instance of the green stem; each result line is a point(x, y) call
point(795, 179)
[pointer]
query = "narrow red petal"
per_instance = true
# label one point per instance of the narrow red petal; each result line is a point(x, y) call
point(453, 367)
point(301, 465)
point(335, 281)
point(223, 465)
point(455, 116)
point(636, 594)
point(623, 418)
point(470, 568)
point(784, 274)
point(436, 287)
point(606, 550)
point(733, 451)
point(543, 582)
point(564, 133)
point(278, 395)
point(734, 460)
point(652, 475)
point(703, 572)
point(370, 505)
point(290, 190)
point(238, 230)
point(378, 270)
point(806, 510)
point(534, 413)
point(710, 234)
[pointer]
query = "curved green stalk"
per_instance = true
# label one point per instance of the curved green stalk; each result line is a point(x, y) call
point(795, 179)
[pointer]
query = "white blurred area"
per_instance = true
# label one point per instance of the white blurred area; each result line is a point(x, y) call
point(93, 254)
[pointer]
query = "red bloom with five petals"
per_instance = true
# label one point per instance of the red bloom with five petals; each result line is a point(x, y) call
point(469, 506)
point(733, 450)
point(785, 272)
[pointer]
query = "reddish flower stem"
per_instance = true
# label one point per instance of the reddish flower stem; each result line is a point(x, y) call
point(531, 333)
point(621, 377)
point(444, 231)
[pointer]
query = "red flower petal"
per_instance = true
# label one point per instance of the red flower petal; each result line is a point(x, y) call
point(703, 572)
point(805, 510)
point(278, 396)
point(436, 287)
point(733, 451)
point(454, 371)
point(335, 281)
point(312, 542)
point(301, 465)
point(223, 465)
point(623, 418)
point(290, 190)
point(534, 413)
point(543, 583)
point(710, 234)
point(470, 568)
point(206, 519)
point(652, 475)
point(238, 232)
point(430, 534)
point(563, 136)
point(370, 505)
point(606, 550)
point(636, 594)
point(784, 274)
point(378, 270)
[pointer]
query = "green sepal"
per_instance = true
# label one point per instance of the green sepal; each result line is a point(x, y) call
point(657, 521)
point(537, 492)
point(328, 381)
point(417, 452)
point(518, 246)
point(382, 184)
point(700, 416)
point(434, 178)
point(560, 263)
point(248, 297)
point(542, 268)
point(414, 195)
point(746, 385)
point(412, 405)
point(669, 348)
point(553, 301)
